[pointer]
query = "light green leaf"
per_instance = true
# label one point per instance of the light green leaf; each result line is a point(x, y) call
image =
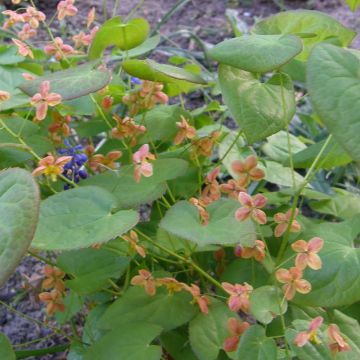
point(277, 149)
point(166, 310)
point(183, 220)
point(338, 281)
point(353, 4)
point(130, 342)
point(19, 213)
point(261, 109)
point(334, 88)
point(257, 53)
point(79, 218)
point(130, 194)
point(318, 25)
point(280, 175)
point(208, 332)
point(125, 36)
point(254, 345)
point(91, 268)
point(266, 303)
point(6, 351)
point(72, 83)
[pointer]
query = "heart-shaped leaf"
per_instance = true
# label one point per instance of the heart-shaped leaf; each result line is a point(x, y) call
point(261, 109)
point(257, 53)
point(136, 306)
point(125, 36)
point(19, 213)
point(320, 27)
point(334, 88)
point(72, 83)
point(79, 218)
point(183, 220)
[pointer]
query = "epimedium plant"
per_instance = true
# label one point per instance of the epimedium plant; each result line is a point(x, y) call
point(171, 234)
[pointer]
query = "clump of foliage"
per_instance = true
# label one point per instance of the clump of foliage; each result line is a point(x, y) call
point(169, 234)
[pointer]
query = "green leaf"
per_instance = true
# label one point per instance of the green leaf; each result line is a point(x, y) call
point(72, 83)
point(6, 351)
point(130, 194)
point(342, 204)
point(338, 281)
point(353, 4)
point(277, 149)
point(208, 332)
point(73, 303)
point(183, 220)
point(261, 109)
point(176, 343)
point(334, 155)
point(91, 268)
point(79, 218)
point(166, 310)
point(257, 53)
point(267, 303)
point(9, 55)
point(150, 70)
point(254, 345)
point(320, 27)
point(130, 342)
point(19, 213)
point(334, 88)
point(125, 36)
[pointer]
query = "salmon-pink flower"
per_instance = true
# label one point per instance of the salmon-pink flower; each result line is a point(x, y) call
point(54, 278)
point(247, 170)
point(186, 131)
point(236, 329)
point(146, 280)
point(133, 240)
point(34, 17)
point(200, 206)
point(13, 19)
point(27, 32)
point(283, 221)
point(142, 166)
point(257, 251)
point(303, 337)
point(100, 162)
point(59, 49)
point(202, 301)
point(211, 191)
point(293, 281)
point(251, 208)
point(4, 95)
point(51, 166)
point(232, 188)
point(23, 49)
point(338, 343)
point(66, 8)
point(54, 301)
point(28, 76)
point(204, 146)
point(91, 17)
point(172, 285)
point(308, 253)
point(43, 99)
point(127, 129)
point(239, 296)
point(82, 39)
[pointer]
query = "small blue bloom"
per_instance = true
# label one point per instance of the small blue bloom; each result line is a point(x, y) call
point(135, 81)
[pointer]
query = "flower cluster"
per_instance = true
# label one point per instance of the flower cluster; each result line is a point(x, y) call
point(51, 166)
point(127, 129)
point(59, 127)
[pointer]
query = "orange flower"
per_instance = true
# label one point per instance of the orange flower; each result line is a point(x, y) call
point(251, 208)
point(59, 49)
point(34, 17)
point(247, 170)
point(308, 253)
point(232, 188)
point(186, 131)
point(13, 19)
point(211, 191)
point(4, 96)
point(257, 252)
point(82, 39)
point(204, 146)
point(293, 282)
point(127, 128)
point(23, 49)
point(146, 280)
point(201, 300)
point(171, 284)
point(200, 206)
point(54, 278)
point(236, 329)
point(51, 167)
point(239, 296)
point(54, 301)
point(283, 221)
point(66, 8)
point(60, 124)
point(142, 166)
point(304, 337)
point(26, 32)
point(99, 162)
point(91, 17)
point(338, 343)
point(133, 240)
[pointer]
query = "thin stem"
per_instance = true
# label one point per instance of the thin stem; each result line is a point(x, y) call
point(101, 111)
point(231, 146)
point(41, 258)
point(23, 354)
point(116, 6)
point(135, 9)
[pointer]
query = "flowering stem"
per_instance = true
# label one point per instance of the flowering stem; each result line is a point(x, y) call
point(100, 111)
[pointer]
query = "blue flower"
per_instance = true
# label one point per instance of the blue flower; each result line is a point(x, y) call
point(135, 81)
